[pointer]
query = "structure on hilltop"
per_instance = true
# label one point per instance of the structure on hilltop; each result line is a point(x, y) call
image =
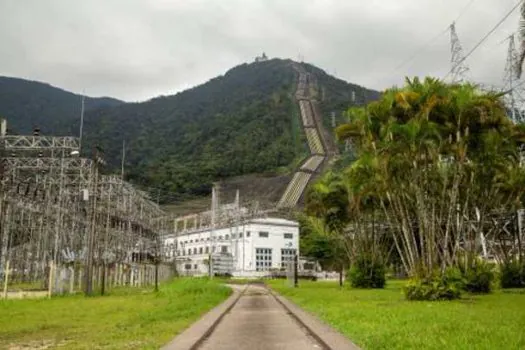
point(261, 58)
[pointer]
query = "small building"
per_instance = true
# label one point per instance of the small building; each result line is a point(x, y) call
point(252, 248)
point(261, 58)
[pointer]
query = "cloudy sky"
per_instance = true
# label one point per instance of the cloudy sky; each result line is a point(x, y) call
point(138, 49)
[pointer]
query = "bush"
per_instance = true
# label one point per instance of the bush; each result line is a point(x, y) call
point(366, 273)
point(479, 277)
point(435, 287)
point(512, 275)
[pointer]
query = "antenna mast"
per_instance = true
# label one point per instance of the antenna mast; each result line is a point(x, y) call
point(123, 159)
point(81, 123)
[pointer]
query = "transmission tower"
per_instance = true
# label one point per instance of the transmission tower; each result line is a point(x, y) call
point(459, 70)
point(515, 97)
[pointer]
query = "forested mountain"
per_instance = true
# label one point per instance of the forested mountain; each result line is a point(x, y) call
point(245, 121)
point(29, 104)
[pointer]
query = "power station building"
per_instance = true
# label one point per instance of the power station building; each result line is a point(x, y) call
point(252, 248)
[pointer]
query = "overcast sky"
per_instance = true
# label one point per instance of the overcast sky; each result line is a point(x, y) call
point(138, 49)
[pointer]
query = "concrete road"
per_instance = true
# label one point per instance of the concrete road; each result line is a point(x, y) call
point(259, 322)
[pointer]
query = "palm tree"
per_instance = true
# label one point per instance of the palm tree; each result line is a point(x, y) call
point(402, 141)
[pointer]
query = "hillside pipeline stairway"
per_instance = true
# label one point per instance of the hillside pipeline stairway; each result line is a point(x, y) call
point(313, 129)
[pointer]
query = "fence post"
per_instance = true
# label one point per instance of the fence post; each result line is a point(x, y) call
point(80, 274)
point(295, 277)
point(71, 279)
point(6, 279)
point(51, 278)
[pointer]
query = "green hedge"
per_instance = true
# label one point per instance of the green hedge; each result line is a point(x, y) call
point(438, 286)
point(512, 275)
point(479, 277)
point(367, 273)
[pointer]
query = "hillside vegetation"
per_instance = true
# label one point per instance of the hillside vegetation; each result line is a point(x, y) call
point(29, 104)
point(243, 122)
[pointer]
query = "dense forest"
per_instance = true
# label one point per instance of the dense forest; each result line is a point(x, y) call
point(29, 104)
point(245, 121)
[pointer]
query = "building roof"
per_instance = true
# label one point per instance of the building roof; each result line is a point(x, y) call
point(274, 221)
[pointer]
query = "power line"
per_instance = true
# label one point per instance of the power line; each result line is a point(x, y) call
point(421, 49)
point(465, 9)
point(433, 39)
point(486, 36)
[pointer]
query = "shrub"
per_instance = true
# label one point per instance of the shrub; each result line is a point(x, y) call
point(435, 287)
point(512, 275)
point(367, 273)
point(479, 277)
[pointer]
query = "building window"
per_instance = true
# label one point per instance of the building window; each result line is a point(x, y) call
point(195, 267)
point(224, 249)
point(207, 250)
point(263, 234)
point(194, 251)
point(187, 266)
point(220, 238)
point(191, 241)
point(178, 252)
point(240, 235)
point(288, 236)
point(248, 234)
point(263, 259)
point(287, 255)
point(213, 249)
point(227, 237)
point(200, 250)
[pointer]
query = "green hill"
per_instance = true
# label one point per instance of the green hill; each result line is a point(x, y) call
point(243, 122)
point(29, 104)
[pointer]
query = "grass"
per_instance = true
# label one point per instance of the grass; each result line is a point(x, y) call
point(382, 319)
point(125, 319)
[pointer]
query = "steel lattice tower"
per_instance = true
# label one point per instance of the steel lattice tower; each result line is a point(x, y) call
point(459, 70)
point(514, 99)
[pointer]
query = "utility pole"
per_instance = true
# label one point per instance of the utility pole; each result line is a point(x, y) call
point(81, 123)
point(157, 247)
point(58, 218)
point(212, 244)
point(123, 159)
point(106, 239)
point(92, 232)
point(295, 273)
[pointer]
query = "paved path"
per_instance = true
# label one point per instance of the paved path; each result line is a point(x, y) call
point(259, 322)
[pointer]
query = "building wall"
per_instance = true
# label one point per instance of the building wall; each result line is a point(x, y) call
point(256, 246)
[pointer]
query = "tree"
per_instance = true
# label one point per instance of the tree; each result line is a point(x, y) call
point(429, 156)
point(321, 244)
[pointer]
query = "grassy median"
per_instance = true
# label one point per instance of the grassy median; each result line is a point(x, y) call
point(383, 319)
point(124, 319)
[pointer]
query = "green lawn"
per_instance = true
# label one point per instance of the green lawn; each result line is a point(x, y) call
point(382, 319)
point(125, 319)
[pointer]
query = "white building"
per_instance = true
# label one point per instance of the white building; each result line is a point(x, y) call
point(250, 249)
